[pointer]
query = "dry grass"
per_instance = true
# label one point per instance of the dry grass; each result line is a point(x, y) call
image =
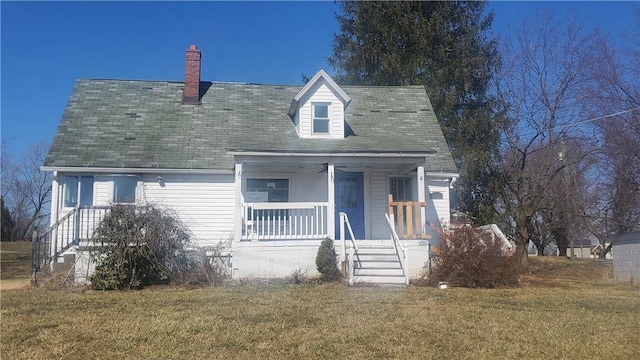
point(15, 265)
point(578, 318)
point(15, 260)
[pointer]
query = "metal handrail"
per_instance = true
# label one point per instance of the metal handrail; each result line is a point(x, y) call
point(400, 250)
point(353, 250)
point(62, 235)
point(353, 238)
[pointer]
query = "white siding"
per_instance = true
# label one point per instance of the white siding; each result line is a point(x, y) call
point(320, 92)
point(102, 190)
point(438, 210)
point(206, 203)
point(379, 204)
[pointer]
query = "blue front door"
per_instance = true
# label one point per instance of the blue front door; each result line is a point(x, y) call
point(349, 192)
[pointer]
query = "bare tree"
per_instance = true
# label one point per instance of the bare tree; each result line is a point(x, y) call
point(26, 190)
point(547, 64)
point(615, 206)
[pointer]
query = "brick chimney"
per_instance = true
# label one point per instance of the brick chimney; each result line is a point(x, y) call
point(191, 92)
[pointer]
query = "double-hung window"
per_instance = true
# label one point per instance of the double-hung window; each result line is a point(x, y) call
point(78, 191)
point(124, 189)
point(321, 118)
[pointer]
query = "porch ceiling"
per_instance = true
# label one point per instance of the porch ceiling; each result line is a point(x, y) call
point(404, 165)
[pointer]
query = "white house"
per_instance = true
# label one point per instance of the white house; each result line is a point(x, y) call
point(269, 166)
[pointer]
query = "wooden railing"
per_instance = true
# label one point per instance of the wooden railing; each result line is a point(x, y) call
point(284, 221)
point(408, 218)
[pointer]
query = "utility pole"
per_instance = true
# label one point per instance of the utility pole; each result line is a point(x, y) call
point(562, 157)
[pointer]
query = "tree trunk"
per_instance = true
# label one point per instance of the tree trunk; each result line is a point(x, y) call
point(540, 251)
point(562, 251)
point(602, 254)
point(521, 256)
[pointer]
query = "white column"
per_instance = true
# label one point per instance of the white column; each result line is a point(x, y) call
point(55, 189)
point(331, 208)
point(422, 196)
point(237, 234)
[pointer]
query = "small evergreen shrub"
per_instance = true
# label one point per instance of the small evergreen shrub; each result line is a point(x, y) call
point(470, 258)
point(326, 261)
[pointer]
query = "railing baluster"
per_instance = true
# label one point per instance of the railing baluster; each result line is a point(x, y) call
point(291, 217)
point(280, 221)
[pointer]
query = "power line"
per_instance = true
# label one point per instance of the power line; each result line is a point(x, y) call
point(579, 122)
point(594, 119)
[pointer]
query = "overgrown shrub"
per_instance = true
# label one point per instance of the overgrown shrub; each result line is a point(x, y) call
point(326, 261)
point(139, 246)
point(473, 259)
point(211, 265)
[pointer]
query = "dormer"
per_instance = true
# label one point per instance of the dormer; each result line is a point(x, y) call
point(318, 109)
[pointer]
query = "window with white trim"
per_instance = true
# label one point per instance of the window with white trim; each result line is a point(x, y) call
point(124, 189)
point(401, 188)
point(78, 191)
point(321, 124)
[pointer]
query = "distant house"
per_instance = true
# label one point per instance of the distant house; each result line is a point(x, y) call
point(269, 167)
point(626, 262)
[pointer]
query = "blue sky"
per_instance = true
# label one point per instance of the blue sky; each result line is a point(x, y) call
point(46, 46)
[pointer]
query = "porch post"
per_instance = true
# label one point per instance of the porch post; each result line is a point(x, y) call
point(237, 233)
point(55, 189)
point(331, 207)
point(422, 197)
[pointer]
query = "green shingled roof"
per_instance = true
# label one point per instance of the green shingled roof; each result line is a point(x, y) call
point(142, 124)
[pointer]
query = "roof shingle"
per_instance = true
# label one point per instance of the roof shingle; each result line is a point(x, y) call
point(142, 124)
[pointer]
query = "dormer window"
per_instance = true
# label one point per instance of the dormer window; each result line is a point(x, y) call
point(318, 108)
point(321, 118)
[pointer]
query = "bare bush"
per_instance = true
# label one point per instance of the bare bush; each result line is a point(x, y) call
point(140, 246)
point(470, 258)
point(210, 265)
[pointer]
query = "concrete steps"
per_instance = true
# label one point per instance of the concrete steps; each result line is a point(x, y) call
point(378, 264)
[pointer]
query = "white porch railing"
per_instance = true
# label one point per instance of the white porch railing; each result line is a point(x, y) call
point(284, 221)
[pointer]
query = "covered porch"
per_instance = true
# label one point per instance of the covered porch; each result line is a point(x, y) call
point(286, 198)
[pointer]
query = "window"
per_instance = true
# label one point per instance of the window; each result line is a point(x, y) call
point(124, 189)
point(321, 118)
point(267, 190)
point(401, 189)
point(78, 191)
point(347, 190)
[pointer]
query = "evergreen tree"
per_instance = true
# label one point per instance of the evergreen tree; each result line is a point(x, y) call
point(8, 224)
point(447, 47)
